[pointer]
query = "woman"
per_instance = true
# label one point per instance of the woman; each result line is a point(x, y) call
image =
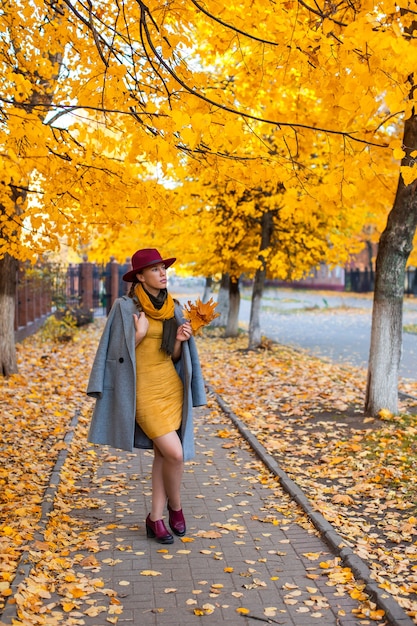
point(146, 378)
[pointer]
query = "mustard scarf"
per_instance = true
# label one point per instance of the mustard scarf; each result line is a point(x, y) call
point(161, 308)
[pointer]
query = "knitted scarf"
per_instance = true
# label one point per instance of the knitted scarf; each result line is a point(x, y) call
point(160, 307)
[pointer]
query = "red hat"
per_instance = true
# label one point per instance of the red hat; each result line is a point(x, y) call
point(145, 258)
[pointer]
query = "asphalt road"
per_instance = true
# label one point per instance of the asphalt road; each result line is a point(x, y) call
point(335, 325)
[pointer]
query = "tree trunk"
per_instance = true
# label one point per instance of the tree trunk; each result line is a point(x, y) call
point(232, 327)
point(371, 265)
point(8, 282)
point(222, 303)
point(207, 289)
point(387, 316)
point(255, 338)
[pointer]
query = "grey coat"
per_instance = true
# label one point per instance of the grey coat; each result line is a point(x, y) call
point(113, 383)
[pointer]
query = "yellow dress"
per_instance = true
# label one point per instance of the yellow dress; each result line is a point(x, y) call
point(159, 389)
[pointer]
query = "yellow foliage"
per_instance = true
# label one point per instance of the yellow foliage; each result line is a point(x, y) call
point(105, 152)
point(409, 174)
point(59, 328)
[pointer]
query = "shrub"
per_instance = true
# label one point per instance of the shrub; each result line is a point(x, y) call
point(59, 327)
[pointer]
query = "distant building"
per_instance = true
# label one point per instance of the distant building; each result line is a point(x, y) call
point(357, 275)
point(320, 278)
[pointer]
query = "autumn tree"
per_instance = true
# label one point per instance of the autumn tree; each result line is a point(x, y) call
point(262, 231)
point(26, 89)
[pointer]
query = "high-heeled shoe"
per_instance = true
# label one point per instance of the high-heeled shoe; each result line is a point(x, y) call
point(177, 522)
point(158, 531)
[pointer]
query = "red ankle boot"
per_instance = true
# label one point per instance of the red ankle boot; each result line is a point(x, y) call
point(177, 522)
point(157, 530)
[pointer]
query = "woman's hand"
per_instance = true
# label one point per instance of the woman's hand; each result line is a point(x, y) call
point(141, 326)
point(184, 332)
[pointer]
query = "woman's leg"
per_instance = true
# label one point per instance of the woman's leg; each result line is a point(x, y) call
point(167, 473)
point(159, 496)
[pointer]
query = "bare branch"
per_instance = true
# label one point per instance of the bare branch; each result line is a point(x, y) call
point(95, 34)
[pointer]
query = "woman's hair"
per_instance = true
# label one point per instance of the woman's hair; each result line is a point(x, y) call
point(131, 291)
point(131, 294)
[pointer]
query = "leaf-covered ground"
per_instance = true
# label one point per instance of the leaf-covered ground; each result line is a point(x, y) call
point(37, 407)
point(360, 474)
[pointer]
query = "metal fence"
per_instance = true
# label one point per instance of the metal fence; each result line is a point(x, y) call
point(364, 281)
point(359, 281)
point(33, 301)
point(411, 282)
point(85, 289)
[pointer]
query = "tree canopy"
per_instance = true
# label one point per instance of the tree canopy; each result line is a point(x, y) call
point(137, 115)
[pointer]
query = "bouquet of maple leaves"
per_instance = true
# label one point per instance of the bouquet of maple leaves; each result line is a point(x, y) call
point(200, 314)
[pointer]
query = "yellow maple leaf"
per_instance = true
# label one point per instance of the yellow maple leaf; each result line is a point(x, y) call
point(313, 556)
point(77, 592)
point(358, 594)
point(224, 434)
point(200, 314)
point(377, 614)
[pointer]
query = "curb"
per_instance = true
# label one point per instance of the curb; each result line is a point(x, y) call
point(24, 566)
point(393, 612)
